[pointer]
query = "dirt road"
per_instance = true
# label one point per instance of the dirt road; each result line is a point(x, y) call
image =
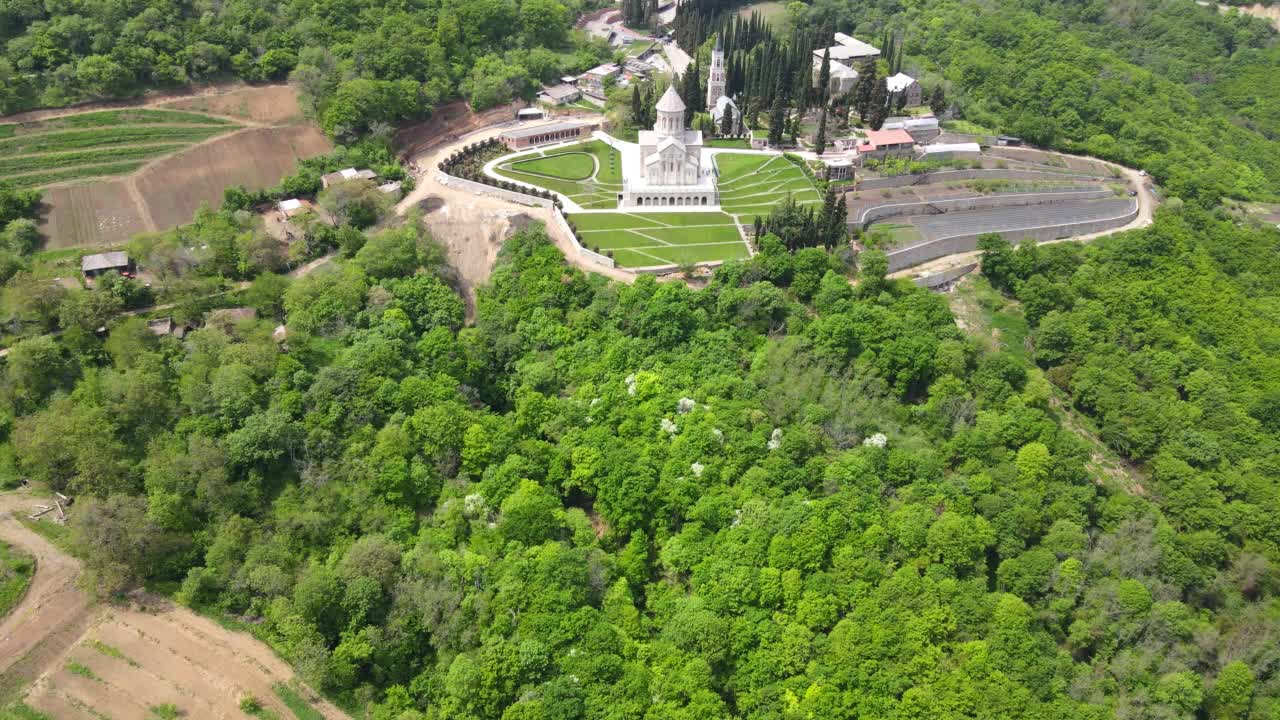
point(86, 660)
point(472, 227)
point(54, 612)
point(1136, 180)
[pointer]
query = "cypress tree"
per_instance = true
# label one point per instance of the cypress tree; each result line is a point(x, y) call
point(879, 104)
point(637, 108)
point(820, 142)
point(865, 88)
point(938, 100)
point(777, 118)
point(726, 121)
point(824, 78)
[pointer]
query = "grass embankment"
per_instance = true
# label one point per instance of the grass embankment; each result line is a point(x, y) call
point(641, 240)
point(98, 144)
point(16, 570)
point(754, 184)
point(571, 171)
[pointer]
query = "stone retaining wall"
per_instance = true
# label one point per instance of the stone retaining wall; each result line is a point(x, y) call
point(944, 277)
point(942, 247)
point(591, 255)
point(983, 202)
point(943, 176)
point(491, 191)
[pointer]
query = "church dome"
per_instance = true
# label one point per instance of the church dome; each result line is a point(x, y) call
point(671, 102)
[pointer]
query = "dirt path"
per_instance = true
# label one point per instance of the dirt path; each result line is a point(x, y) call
point(472, 227)
point(158, 652)
point(52, 615)
point(147, 101)
point(1136, 180)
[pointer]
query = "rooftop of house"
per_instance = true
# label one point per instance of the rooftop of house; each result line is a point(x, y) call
point(920, 123)
point(969, 147)
point(563, 91)
point(848, 48)
point(290, 205)
point(899, 82)
point(519, 133)
point(347, 174)
point(881, 138)
point(603, 70)
point(104, 261)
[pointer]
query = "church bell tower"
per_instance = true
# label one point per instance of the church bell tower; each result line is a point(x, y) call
point(715, 78)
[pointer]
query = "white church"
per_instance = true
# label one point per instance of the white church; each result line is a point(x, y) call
point(669, 168)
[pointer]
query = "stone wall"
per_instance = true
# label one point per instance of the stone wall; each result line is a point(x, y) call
point(982, 202)
point(944, 277)
point(491, 191)
point(942, 247)
point(945, 176)
point(591, 255)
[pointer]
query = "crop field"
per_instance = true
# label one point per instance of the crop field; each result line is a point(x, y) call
point(753, 184)
point(589, 174)
point(271, 104)
point(130, 662)
point(175, 187)
point(98, 144)
point(661, 238)
point(101, 213)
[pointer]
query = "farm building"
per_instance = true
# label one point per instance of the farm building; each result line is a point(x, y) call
point(952, 151)
point(923, 130)
point(345, 175)
point(391, 188)
point(228, 318)
point(166, 326)
point(837, 167)
point(561, 94)
point(593, 81)
point(521, 138)
point(94, 265)
point(904, 85)
point(530, 114)
point(880, 144)
point(291, 207)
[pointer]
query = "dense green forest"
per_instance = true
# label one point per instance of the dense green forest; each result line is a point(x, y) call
point(780, 496)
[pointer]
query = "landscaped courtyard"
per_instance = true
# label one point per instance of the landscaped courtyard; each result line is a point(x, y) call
point(590, 174)
point(753, 184)
point(661, 238)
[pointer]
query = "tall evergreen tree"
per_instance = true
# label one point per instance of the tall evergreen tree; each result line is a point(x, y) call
point(820, 142)
point(938, 100)
point(726, 121)
point(777, 118)
point(690, 92)
point(879, 104)
point(824, 78)
point(637, 106)
point(865, 88)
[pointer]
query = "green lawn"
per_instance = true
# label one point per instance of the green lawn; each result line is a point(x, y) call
point(16, 569)
point(637, 240)
point(753, 184)
point(571, 172)
point(567, 166)
point(895, 234)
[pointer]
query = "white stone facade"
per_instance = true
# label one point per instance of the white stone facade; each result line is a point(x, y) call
point(668, 170)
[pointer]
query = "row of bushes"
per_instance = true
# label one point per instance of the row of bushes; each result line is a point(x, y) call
point(468, 164)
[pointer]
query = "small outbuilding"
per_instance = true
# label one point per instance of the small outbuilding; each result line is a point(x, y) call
point(94, 265)
point(520, 138)
point(562, 94)
point(952, 151)
point(334, 178)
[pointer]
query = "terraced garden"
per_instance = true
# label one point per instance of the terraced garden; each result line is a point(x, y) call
point(661, 238)
point(98, 144)
point(590, 174)
point(752, 184)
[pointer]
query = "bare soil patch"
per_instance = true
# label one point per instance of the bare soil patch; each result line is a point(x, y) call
point(268, 104)
point(447, 123)
point(174, 187)
point(139, 658)
point(101, 213)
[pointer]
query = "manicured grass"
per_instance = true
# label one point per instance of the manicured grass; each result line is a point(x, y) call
point(734, 143)
point(567, 166)
point(297, 704)
point(640, 240)
point(568, 172)
point(30, 163)
point(16, 569)
point(753, 184)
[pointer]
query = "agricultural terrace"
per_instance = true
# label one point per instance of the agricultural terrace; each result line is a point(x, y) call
point(752, 184)
point(589, 174)
point(98, 144)
point(661, 238)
